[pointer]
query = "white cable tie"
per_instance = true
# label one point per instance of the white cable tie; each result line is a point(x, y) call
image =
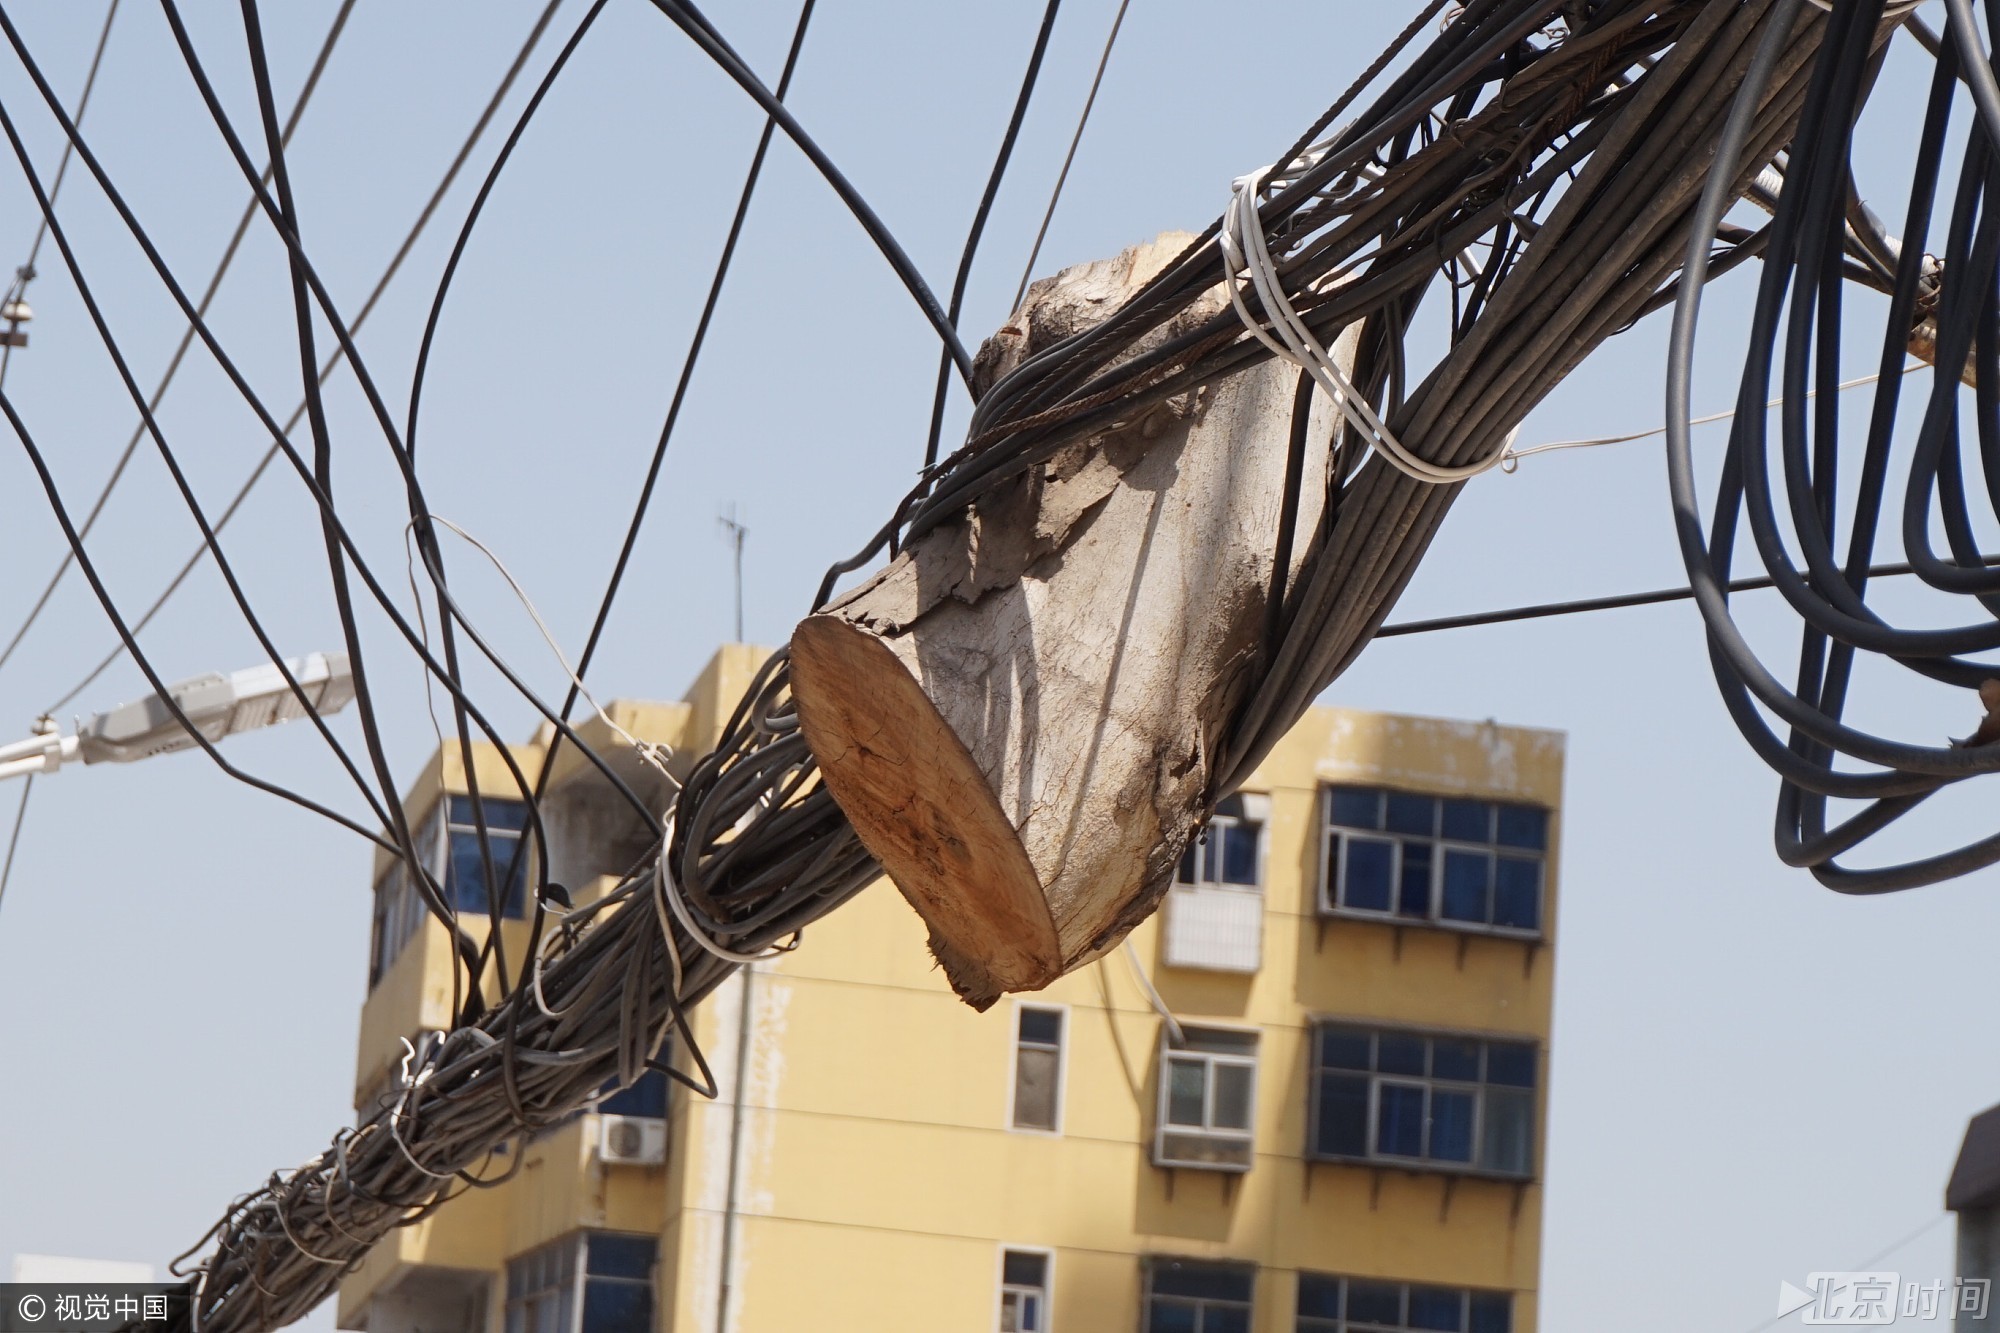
point(1246, 251)
point(401, 1108)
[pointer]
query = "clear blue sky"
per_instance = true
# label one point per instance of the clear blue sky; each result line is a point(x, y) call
point(1752, 1077)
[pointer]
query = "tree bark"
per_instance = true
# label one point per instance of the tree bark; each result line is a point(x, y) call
point(1020, 712)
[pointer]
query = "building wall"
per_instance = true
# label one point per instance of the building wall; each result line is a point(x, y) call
point(877, 1180)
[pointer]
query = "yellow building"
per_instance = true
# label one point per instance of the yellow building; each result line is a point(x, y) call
point(1309, 1097)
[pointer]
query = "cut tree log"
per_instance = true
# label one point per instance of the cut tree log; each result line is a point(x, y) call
point(1019, 713)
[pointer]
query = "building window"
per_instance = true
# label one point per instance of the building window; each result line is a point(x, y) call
point(465, 877)
point(1191, 1296)
point(591, 1282)
point(645, 1097)
point(449, 850)
point(541, 1288)
point(1208, 1099)
point(1226, 853)
point(395, 920)
point(1460, 1103)
point(1439, 860)
point(1038, 1042)
point(1329, 1304)
point(1024, 1291)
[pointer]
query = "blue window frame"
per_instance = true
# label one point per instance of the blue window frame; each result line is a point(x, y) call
point(1226, 853)
point(1434, 860)
point(1331, 1304)
point(1449, 1102)
point(1198, 1296)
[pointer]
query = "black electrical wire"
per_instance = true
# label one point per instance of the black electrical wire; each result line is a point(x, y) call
point(14, 837)
point(1614, 602)
point(682, 382)
point(250, 397)
point(978, 228)
point(383, 807)
point(1565, 141)
point(1069, 157)
point(181, 349)
point(426, 886)
point(179, 715)
point(689, 20)
point(424, 532)
point(311, 295)
point(159, 393)
point(25, 274)
point(98, 321)
point(366, 308)
point(1800, 309)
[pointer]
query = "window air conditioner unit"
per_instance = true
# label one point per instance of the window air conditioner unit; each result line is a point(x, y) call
point(631, 1140)
point(1202, 1151)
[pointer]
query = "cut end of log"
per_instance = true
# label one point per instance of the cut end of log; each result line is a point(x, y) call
point(920, 803)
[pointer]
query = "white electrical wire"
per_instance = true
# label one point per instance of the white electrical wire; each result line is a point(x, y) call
point(1841, 387)
point(1153, 996)
point(1891, 11)
point(654, 753)
point(667, 889)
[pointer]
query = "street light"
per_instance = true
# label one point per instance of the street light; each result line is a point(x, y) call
point(216, 705)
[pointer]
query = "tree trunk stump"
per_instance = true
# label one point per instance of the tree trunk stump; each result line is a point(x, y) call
point(1019, 712)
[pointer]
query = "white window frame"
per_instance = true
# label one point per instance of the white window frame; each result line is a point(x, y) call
point(570, 1288)
point(1333, 871)
point(575, 1287)
point(1147, 1294)
point(1014, 1067)
point(1001, 1287)
point(1256, 811)
point(1207, 1129)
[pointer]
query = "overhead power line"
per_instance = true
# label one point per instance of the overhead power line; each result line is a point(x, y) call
point(1615, 602)
point(333, 360)
point(756, 847)
point(14, 838)
point(25, 274)
point(159, 393)
point(1069, 157)
point(979, 215)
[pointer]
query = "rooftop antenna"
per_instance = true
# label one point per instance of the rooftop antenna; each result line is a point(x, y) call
point(733, 531)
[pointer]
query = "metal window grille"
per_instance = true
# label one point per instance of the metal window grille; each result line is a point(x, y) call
point(1454, 862)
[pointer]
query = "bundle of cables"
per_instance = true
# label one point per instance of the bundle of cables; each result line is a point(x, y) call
point(1543, 168)
point(1942, 308)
